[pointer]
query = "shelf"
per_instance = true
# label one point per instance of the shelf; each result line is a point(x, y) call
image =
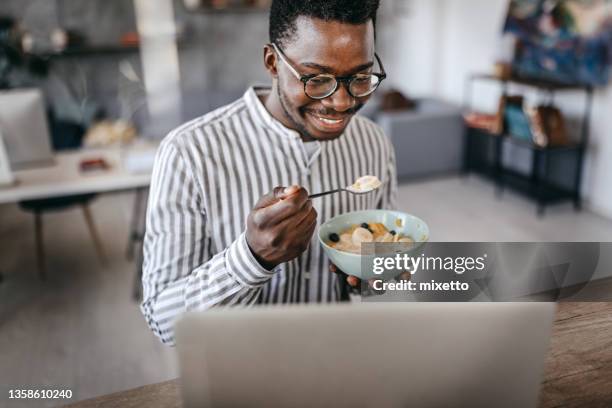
point(88, 51)
point(537, 184)
point(226, 6)
point(546, 193)
point(104, 50)
point(527, 144)
point(230, 10)
point(535, 83)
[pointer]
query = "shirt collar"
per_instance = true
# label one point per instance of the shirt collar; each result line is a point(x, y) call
point(261, 114)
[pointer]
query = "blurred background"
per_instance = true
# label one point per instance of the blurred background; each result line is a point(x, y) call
point(498, 111)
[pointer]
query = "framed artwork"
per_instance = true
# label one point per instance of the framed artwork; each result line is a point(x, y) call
point(568, 41)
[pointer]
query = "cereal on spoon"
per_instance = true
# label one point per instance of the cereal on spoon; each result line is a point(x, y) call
point(365, 184)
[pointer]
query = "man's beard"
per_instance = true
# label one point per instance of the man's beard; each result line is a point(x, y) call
point(301, 129)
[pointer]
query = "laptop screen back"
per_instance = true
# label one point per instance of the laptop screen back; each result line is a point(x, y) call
point(24, 127)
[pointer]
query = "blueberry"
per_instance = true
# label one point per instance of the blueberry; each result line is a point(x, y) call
point(333, 237)
point(393, 232)
point(365, 225)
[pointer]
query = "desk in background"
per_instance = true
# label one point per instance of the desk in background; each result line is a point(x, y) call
point(64, 178)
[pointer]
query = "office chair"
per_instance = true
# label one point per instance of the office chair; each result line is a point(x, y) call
point(38, 207)
point(65, 135)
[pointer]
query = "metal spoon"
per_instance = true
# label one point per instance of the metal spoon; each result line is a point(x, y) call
point(362, 185)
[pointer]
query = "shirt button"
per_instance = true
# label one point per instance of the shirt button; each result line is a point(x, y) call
point(306, 275)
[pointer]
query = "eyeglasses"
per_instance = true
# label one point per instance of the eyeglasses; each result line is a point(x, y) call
point(321, 86)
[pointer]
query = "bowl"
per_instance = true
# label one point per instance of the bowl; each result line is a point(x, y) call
point(360, 265)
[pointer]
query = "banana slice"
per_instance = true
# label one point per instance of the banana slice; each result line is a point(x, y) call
point(362, 235)
point(346, 239)
point(386, 237)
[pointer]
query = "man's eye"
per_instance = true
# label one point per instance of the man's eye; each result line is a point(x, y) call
point(319, 80)
point(363, 79)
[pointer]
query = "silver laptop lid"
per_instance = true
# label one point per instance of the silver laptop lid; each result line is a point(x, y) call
point(374, 355)
point(23, 123)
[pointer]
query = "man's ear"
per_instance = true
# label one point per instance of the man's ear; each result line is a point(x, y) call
point(270, 60)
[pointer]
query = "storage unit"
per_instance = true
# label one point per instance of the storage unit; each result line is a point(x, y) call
point(554, 173)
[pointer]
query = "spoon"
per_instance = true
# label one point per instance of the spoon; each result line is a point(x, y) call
point(362, 185)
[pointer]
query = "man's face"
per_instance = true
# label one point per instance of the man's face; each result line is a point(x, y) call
point(323, 47)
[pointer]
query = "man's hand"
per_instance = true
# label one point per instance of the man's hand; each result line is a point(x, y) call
point(355, 283)
point(280, 226)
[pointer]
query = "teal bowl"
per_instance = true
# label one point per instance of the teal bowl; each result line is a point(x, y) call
point(357, 264)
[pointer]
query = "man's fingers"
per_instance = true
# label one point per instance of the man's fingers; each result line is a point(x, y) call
point(289, 191)
point(307, 218)
point(301, 221)
point(404, 276)
point(353, 281)
point(279, 205)
point(286, 206)
point(270, 198)
point(276, 195)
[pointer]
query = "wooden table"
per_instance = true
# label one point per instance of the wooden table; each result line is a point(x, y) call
point(578, 369)
point(64, 177)
point(579, 365)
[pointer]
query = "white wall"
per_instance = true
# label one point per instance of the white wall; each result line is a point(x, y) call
point(598, 169)
point(160, 63)
point(415, 49)
point(468, 40)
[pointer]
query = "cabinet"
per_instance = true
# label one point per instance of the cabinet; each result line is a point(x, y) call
point(485, 151)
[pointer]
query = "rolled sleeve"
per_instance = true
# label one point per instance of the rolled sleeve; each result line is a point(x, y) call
point(241, 263)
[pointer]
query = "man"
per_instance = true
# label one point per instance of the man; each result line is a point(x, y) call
point(223, 228)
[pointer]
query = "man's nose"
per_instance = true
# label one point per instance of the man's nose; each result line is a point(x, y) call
point(340, 101)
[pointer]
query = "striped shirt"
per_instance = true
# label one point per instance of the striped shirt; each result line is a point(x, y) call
point(208, 175)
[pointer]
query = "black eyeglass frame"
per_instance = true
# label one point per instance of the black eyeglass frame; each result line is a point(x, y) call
point(339, 79)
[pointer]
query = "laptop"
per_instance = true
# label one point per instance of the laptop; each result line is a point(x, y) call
point(6, 175)
point(365, 355)
point(24, 128)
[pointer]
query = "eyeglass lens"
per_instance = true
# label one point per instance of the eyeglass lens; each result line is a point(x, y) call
point(323, 86)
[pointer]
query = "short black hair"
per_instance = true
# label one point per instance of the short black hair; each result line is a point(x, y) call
point(284, 13)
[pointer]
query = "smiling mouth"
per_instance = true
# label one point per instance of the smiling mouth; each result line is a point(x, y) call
point(329, 124)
